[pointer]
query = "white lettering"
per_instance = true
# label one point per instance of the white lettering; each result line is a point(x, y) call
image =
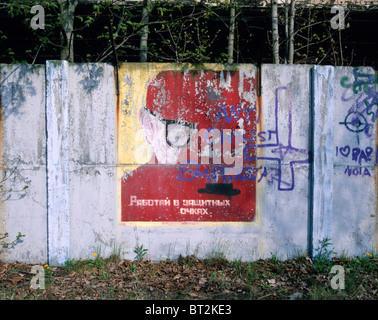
point(38, 281)
point(162, 310)
point(132, 200)
point(338, 281)
point(339, 17)
point(38, 21)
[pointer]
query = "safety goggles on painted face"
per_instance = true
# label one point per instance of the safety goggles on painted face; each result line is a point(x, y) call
point(177, 132)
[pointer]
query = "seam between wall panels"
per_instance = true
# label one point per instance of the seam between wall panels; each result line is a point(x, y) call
point(57, 159)
point(322, 162)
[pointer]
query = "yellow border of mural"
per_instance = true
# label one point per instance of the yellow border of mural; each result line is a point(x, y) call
point(133, 82)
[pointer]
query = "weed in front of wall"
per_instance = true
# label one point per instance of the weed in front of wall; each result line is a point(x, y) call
point(48, 274)
point(133, 268)
point(140, 253)
point(6, 194)
point(70, 265)
point(324, 251)
point(367, 264)
point(219, 279)
point(98, 262)
point(251, 273)
point(237, 266)
point(116, 254)
point(322, 260)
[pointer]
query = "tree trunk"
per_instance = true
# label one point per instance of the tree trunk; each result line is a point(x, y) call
point(286, 30)
point(341, 49)
point(67, 11)
point(144, 34)
point(291, 32)
point(231, 33)
point(276, 55)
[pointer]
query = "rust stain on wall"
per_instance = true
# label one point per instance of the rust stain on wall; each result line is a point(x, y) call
point(259, 151)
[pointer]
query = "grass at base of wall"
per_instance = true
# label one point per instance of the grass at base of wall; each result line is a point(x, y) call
point(192, 278)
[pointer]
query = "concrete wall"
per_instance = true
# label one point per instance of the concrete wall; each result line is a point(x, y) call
point(71, 139)
point(23, 152)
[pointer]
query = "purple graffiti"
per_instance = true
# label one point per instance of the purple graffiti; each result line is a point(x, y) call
point(358, 171)
point(285, 156)
point(358, 154)
point(288, 156)
point(234, 114)
point(362, 91)
point(217, 173)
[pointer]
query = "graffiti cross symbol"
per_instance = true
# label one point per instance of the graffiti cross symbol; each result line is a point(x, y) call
point(287, 155)
point(355, 122)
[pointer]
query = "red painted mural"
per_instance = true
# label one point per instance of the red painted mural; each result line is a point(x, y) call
point(197, 123)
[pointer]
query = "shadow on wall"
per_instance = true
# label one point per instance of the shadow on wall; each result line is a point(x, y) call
point(15, 86)
point(94, 75)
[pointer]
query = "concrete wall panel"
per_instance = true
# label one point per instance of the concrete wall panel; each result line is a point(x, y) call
point(285, 153)
point(23, 150)
point(93, 163)
point(355, 160)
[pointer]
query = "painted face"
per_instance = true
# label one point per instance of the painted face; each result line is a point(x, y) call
point(181, 101)
point(168, 138)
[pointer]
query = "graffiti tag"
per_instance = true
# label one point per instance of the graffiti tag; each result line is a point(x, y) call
point(285, 156)
point(362, 92)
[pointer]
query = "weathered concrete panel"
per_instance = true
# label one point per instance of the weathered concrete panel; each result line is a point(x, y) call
point(355, 161)
point(93, 164)
point(322, 101)
point(284, 151)
point(58, 165)
point(92, 90)
point(23, 150)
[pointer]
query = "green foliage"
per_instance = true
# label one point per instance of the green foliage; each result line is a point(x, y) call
point(324, 250)
point(357, 270)
point(47, 39)
point(316, 42)
point(5, 194)
point(184, 34)
point(140, 253)
point(251, 273)
point(4, 243)
point(363, 265)
point(237, 266)
point(98, 264)
point(133, 268)
point(322, 260)
point(70, 265)
point(49, 274)
point(181, 32)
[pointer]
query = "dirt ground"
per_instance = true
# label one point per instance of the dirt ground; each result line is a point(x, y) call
point(192, 278)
